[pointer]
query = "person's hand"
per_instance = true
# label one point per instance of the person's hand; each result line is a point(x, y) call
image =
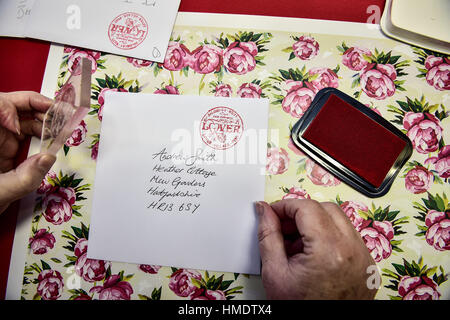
point(21, 114)
point(310, 250)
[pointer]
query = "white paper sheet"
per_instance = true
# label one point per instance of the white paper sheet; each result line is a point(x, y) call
point(210, 224)
point(13, 17)
point(134, 28)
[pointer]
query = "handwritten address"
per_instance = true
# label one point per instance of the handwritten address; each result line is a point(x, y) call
point(178, 181)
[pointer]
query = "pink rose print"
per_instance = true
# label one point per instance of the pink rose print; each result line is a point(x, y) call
point(101, 99)
point(377, 239)
point(77, 55)
point(57, 209)
point(181, 284)
point(298, 98)
point(378, 83)
point(148, 268)
point(291, 85)
point(90, 270)
point(306, 48)
point(113, 289)
point(351, 210)
point(94, 151)
point(353, 58)
point(296, 193)
point(50, 285)
point(418, 180)
point(139, 63)
point(206, 59)
point(95, 54)
point(176, 57)
point(438, 74)
point(433, 61)
point(442, 162)
point(167, 90)
point(223, 90)
point(68, 49)
point(80, 247)
point(325, 78)
point(41, 241)
point(239, 57)
point(277, 161)
point(68, 194)
point(418, 288)
point(249, 90)
point(45, 186)
point(215, 295)
point(385, 228)
point(438, 233)
point(199, 295)
point(319, 176)
point(424, 131)
point(206, 294)
point(78, 135)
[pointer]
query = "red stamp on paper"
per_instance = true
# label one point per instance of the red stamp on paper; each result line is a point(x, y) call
point(128, 30)
point(221, 128)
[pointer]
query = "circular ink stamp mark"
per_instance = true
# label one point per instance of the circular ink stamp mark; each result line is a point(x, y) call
point(128, 30)
point(221, 128)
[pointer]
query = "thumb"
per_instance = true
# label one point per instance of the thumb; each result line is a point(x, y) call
point(26, 178)
point(271, 242)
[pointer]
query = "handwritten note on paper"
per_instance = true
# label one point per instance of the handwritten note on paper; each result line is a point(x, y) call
point(13, 17)
point(176, 180)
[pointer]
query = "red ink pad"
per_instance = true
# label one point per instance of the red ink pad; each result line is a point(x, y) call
point(354, 143)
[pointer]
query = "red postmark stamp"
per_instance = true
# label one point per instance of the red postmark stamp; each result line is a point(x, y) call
point(128, 30)
point(221, 128)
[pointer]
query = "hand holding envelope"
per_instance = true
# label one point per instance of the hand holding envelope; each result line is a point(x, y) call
point(176, 179)
point(310, 250)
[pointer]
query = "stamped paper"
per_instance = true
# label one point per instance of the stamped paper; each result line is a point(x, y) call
point(137, 29)
point(128, 30)
point(221, 128)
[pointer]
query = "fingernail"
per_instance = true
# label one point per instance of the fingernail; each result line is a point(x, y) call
point(46, 161)
point(259, 208)
point(17, 125)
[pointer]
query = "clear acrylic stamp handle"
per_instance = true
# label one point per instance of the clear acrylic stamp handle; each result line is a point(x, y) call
point(72, 103)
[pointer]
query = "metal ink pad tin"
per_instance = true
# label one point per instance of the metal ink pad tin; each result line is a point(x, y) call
point(352, 142)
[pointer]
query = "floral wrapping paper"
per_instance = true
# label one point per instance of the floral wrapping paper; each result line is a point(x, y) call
point(407, 231)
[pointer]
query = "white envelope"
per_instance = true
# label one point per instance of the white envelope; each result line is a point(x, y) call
point(135, 28)
point(176, 181)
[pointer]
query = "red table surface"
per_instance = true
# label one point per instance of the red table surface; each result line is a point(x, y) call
point(22, 65)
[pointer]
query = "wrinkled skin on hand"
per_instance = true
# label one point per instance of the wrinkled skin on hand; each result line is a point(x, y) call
point(310, 250)
point(21, 115)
